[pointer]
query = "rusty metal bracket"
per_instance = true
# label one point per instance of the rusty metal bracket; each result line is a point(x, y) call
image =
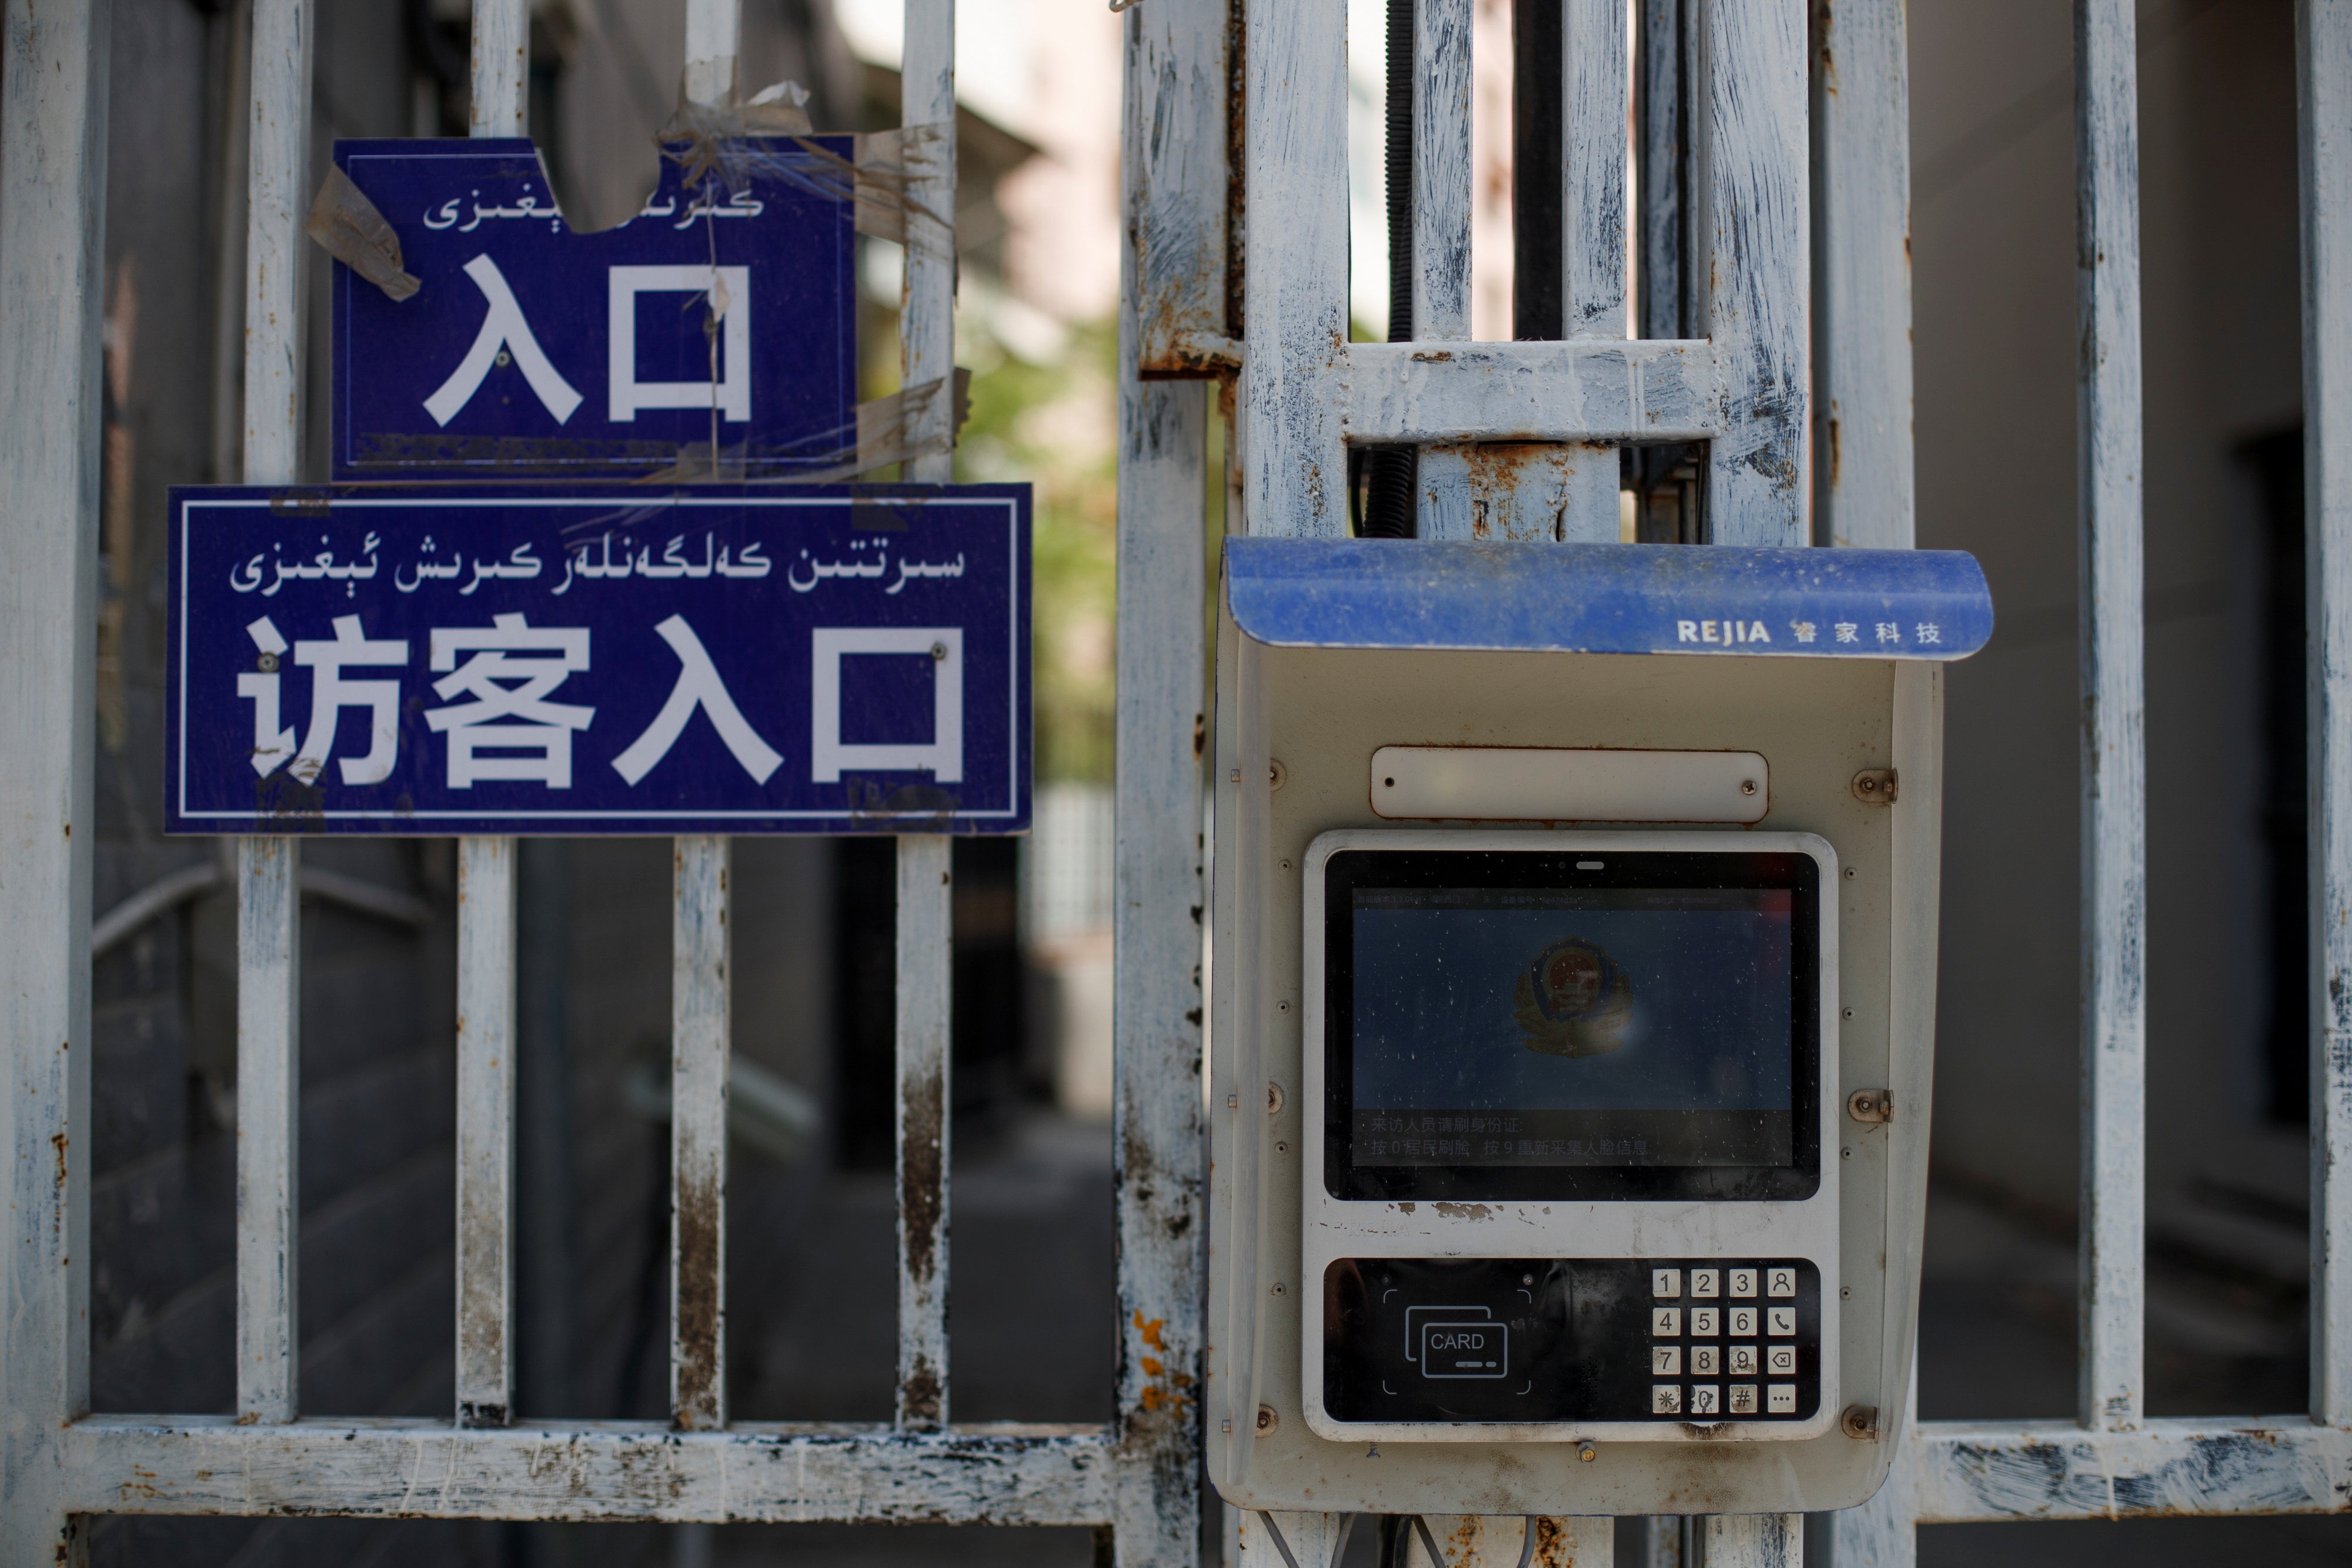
point(1871, 1105)
point(1860, 1421)
point(1875, 786)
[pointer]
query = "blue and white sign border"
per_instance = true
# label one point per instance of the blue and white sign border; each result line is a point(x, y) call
point(1014, 817)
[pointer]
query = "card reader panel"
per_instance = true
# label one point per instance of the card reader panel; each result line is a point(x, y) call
point(1673, 1341)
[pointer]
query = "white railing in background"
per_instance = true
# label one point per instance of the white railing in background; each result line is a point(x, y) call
point(268, 903)
point(2114, 1461)
point(1134, 1478)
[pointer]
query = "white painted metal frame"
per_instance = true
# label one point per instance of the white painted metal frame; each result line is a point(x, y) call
point(1744, 385)
point(269, 902)
point(488, 878)
point(1306, 393)
point(53, 72)
point(1134, 1477)
point(2113, 1462)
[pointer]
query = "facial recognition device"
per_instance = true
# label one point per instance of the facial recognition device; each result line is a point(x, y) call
point(1572, 1001)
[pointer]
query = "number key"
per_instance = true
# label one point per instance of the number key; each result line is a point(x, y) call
point(1666, 1322)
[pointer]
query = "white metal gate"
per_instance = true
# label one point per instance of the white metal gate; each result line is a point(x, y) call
point(1134, 1479)
point(1184, 314)
point(1304, 391)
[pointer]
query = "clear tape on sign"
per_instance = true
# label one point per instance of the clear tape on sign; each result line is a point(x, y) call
point(348, 226)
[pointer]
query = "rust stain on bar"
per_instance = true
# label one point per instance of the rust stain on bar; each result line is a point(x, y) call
point(920, 1179)
point(919, 1395)
point(696, 1219)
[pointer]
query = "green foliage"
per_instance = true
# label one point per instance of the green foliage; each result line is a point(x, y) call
point(1054, 423)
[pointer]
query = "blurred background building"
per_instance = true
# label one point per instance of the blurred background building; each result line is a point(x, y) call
point(810, 1269)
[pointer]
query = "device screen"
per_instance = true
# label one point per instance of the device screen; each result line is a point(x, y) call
point(1516, 1025)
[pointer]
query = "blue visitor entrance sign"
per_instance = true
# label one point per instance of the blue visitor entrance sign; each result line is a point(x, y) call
point(468, 658)
point(533, 349)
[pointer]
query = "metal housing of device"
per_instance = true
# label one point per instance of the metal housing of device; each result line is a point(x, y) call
point(1331, 1228)
point(1330, 650)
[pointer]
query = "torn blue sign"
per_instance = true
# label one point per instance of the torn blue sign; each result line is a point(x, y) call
point(569, 659)
point(716, 317)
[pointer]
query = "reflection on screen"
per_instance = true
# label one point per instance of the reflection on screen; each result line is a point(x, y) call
point(1573, 1026)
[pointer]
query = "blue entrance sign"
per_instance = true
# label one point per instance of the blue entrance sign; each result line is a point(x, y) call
point(567, 659)
point(530, 348)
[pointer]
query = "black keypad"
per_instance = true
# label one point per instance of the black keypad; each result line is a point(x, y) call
point(1568, 1340)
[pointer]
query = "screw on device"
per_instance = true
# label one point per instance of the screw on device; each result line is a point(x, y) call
point(1875, 786)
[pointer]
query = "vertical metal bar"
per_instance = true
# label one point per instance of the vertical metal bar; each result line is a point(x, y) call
point(700, 1031)
point(1753, 1540)
point(1862, 104)
point(1753, 148)
point(501, 75)
point(714, 37)
point(1667, 506)
point(1178, 181)
point(927, 297)
point(279, 160)
point(2324, 52)
point(53, 114)
point(1441, 236)
point(1296, 299)
point(487, 880)
point(925, 902)
point(1592, 207)
point(1865, 493)
point(1161, 736)
point(1595, 99)
point(699, 950)
point(926, 898)
point(269, 1038)
point(1441, 171)
point(1664, 168)
point(486, 1130)
point(269, 1089)
point(2113, 829)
